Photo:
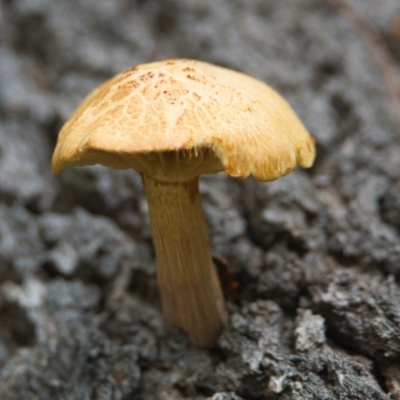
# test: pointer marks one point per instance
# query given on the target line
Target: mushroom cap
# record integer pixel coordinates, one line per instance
(189, 107)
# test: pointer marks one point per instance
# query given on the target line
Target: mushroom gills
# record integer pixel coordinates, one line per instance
(175, 166)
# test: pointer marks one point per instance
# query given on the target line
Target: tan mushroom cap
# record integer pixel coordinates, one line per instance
(232, 121)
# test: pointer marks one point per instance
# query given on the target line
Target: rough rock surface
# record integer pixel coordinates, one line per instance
(316, 254)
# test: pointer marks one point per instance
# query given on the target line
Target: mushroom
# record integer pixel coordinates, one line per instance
(172, 121)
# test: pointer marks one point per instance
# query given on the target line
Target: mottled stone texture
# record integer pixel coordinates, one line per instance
(316, 254)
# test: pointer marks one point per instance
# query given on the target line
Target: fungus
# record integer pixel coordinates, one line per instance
(172, 121)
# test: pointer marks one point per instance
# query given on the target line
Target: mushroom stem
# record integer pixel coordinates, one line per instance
(191, 294)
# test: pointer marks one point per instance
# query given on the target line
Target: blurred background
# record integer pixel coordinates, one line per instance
(312, 261)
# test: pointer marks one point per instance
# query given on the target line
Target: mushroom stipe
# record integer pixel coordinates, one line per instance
(172, 121)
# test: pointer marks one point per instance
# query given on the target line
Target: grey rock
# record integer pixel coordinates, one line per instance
(314, 256)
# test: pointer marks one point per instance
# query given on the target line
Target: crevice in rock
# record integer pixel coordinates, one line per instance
(343, 259)
(16, 329)
(143, 284)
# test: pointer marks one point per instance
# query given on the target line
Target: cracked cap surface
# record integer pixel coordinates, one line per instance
(189, 107)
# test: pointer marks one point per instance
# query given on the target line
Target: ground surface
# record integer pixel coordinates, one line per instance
(317, 253)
